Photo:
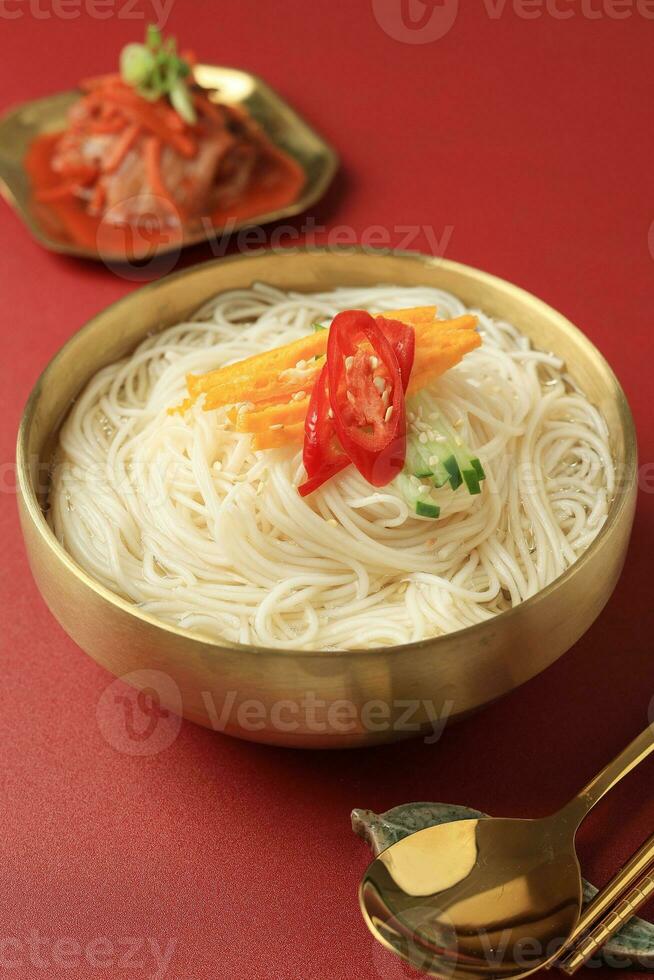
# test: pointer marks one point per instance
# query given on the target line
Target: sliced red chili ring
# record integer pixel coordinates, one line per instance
(322, 455)
(380, 457)
(369, 416)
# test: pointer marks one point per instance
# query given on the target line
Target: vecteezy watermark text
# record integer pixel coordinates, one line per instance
(140, 714)
(426, 21)
(494, 949)
(102, 953)
(155, 12)
(312, 715)
(151, 247)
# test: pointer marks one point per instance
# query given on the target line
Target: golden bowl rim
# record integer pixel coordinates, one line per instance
(619, 503)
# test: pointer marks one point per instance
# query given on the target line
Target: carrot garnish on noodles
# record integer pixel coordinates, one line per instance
(258, 377)
(444, 353)
(269, 392)
(278, 437)
(277, 374)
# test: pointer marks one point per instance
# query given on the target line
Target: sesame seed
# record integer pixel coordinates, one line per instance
(277, 425)
(260, 489)
(458, 442)
(299, 395)
(330, 413)
(403, 587)
(379, 384)
(433, 460)
(422, 437)
(351, 398)
(385, 396)
(349, 361)
(389, 414)
(332, 522)
(301, 365)
(373, 361)
(458, 423)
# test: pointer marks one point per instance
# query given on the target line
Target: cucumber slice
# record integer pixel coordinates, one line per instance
(434, 456)
(471, 481)
(452, 468)
(457, 460)
(417, 495)
(415, 461)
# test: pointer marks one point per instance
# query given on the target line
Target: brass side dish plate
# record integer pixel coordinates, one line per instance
(283, 126)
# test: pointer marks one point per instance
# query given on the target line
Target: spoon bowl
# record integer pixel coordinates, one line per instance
(487, 897)
(501, 900)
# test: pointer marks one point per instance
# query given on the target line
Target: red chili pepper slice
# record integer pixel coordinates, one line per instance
(362, 403)
(366, 393)
(322, 455)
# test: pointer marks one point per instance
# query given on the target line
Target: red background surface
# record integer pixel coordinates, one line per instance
(530, 139)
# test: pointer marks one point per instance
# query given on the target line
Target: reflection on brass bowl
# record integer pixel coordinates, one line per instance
(309, 698)
(280, 123)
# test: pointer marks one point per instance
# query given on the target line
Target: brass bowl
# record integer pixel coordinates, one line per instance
(315, 698)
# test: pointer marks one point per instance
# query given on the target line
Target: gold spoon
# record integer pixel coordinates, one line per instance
(487, 897)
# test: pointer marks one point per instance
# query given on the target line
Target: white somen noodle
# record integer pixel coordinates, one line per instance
(179, 515)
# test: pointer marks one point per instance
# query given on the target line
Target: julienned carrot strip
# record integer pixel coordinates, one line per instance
(276, 438)
(426, 330)
(271, 391)
(453, 347)
(121, 147)
(413, 315)
(285, 414)
(261, 365)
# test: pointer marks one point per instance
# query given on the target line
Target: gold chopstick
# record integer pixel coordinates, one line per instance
(607, 927)
(622, 887)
